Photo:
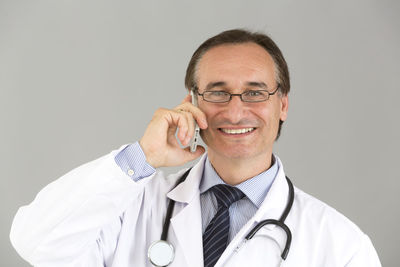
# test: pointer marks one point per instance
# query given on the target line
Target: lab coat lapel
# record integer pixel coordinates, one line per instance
(186, 221)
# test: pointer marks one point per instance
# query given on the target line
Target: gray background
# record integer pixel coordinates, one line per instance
(80, 78)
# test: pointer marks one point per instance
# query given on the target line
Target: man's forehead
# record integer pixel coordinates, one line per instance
(245, 60)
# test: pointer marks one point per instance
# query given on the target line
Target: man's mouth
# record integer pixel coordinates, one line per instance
(236, 131)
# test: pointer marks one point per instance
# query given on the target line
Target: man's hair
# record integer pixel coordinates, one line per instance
(240, 36)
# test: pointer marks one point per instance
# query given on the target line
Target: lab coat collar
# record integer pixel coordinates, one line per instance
(276, 200)
(271, 208)
(187, 194)
(188, 189)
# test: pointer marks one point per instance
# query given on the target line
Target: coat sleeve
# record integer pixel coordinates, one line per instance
(366, 256)
(65, 224)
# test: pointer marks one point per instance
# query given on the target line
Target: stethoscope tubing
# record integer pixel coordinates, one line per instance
(280, 222)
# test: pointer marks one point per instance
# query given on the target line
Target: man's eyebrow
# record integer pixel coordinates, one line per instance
(211, 85)
(214, 84)
(257, 84)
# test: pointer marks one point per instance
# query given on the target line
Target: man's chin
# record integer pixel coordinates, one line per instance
(233, 152)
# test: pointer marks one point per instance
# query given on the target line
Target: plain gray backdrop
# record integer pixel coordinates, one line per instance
(80, 78)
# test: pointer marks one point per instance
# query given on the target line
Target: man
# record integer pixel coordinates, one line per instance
(110, 211)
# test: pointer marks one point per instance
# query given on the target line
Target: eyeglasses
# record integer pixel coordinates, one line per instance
(251, 96)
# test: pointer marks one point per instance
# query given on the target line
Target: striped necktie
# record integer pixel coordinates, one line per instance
(215, 237)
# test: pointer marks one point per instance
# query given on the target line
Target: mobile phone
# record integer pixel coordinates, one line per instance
(195, 138)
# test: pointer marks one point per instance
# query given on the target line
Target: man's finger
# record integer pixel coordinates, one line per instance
(194, 155)
(198, 115)
(179, 119)
(190, 122)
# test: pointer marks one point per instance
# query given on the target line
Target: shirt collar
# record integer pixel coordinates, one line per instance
(255, 189)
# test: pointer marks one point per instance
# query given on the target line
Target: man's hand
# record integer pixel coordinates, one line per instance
(159, 143)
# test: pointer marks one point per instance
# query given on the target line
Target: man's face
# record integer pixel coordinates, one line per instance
(235, 69)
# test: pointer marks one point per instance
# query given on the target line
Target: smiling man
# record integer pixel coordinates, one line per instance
(240, 133)
(235, 207)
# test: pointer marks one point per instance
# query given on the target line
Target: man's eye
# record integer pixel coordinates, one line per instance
(217, 93)
(254, 93)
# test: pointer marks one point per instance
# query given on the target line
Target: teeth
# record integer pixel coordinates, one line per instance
(237, 131)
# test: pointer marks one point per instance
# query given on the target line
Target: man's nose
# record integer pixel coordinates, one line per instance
(235, 109)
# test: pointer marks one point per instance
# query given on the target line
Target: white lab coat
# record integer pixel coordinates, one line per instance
(96, 215)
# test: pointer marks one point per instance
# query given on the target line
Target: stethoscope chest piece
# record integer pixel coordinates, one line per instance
(161, 253)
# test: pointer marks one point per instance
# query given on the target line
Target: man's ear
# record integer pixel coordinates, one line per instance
(284, 102)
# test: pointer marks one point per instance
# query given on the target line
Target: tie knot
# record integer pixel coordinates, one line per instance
(226, 194)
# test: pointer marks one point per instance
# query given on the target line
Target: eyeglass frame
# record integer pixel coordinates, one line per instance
(196, 91)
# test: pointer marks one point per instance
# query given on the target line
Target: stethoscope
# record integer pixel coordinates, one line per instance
(161, 253)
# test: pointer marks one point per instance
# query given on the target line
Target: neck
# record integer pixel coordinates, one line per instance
(234, 171)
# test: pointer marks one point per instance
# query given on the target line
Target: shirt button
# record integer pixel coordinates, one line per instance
(131, 172)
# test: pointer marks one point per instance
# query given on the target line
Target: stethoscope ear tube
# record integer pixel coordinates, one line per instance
(280, 222)
(290, 201)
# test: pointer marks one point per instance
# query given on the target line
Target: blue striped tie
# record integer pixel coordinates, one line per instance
(215, 238)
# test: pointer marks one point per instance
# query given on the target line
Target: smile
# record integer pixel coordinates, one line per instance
(237, 131)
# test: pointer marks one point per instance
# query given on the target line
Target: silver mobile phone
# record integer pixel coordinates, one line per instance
(195, 139)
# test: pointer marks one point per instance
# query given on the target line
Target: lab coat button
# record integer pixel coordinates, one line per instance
(131, 172)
